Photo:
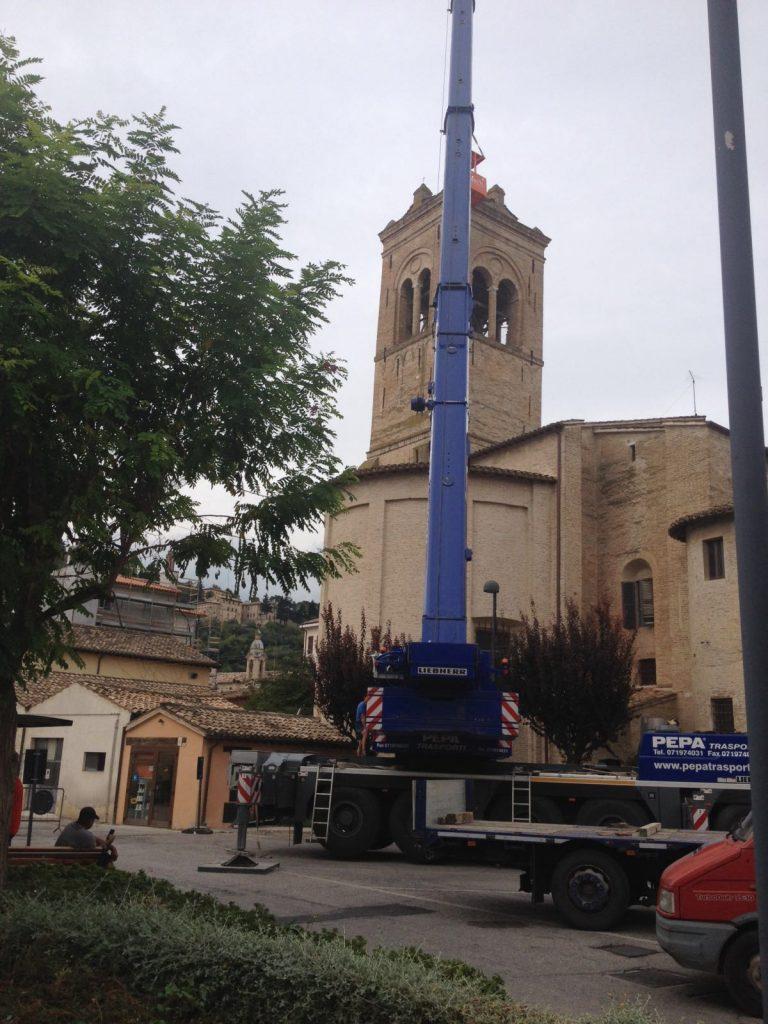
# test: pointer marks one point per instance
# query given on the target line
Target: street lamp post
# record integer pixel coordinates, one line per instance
(492, 588)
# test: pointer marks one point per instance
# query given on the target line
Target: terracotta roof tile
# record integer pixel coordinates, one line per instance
(679, 529)
(134, 695)
(258, 725)
(133, 643)
(394, 468)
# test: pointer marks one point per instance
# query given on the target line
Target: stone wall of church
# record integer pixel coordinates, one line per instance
(715, 635)
(644, 478)
(511, 529)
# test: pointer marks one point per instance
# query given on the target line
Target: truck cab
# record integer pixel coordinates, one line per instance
(706, 915)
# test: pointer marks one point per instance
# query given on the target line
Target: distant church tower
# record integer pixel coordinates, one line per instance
(507, 260)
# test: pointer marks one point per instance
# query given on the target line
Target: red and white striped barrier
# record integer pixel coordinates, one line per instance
(510, 718)
(700, 819)
(374, 713)
(246, 786)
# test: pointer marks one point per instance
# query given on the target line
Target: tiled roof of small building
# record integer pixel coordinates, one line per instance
(679, 529)
(133, 643)
(134, 695)
(257, 725)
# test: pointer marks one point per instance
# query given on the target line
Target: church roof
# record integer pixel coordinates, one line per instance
(679, 529)
(395, 468)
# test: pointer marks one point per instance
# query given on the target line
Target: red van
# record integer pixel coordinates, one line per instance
(706, 914)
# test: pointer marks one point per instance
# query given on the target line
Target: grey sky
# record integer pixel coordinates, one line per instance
(595, 117)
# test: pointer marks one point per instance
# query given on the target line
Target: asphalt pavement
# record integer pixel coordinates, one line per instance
(469, 911)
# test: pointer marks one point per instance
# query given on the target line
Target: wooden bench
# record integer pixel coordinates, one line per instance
(52, 855)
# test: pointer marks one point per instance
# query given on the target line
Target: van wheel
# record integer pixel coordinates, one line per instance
(741, 967)
(354, 824)
(590, 890)
(400, 818)
(612, 812)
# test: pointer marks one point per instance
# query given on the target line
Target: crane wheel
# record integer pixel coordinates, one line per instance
(590, 890)
(612, 812)
(355, 823)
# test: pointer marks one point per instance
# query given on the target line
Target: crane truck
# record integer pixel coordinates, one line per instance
(438, 731)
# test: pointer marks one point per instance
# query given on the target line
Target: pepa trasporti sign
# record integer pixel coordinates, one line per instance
(698, 757)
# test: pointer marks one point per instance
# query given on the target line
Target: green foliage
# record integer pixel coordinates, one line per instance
(283, 644)
(343, 669)
(574, 679)
(225, 965)
(292, 692)
(147, 344)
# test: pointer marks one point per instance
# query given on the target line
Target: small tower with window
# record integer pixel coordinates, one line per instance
(507, 325)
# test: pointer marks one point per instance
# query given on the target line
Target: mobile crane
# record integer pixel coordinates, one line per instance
(439, 696)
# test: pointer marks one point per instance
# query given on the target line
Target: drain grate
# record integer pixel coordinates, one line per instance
(648, 977)
(625, 949)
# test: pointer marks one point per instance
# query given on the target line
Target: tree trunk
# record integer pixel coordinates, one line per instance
(7, 747)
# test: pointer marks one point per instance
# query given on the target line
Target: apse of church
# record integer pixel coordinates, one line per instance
(507, 260)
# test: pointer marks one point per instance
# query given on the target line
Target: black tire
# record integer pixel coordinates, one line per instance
(728, 817)
(741, 968)
(612, 812)
(355, 823)
(544, 810)
(400, 824)
(590, 890)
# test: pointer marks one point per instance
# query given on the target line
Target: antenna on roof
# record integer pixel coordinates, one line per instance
(693, 385)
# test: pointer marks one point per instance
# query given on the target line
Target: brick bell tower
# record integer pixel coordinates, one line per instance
(507, 261)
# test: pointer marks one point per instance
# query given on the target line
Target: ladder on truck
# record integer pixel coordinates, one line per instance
(321, 805)
(522, 799)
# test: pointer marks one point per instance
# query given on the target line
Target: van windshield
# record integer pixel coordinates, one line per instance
(743, 830)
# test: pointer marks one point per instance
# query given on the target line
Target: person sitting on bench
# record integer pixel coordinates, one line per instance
(78, 835)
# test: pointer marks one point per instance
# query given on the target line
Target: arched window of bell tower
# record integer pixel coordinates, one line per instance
(405, 310)
(425, 285)
(506, 314)
(481, 281)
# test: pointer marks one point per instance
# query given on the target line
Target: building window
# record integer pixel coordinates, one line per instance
(637, 603)
(93, 761)
(425, 288)
(406, 309)
(646, 671)
(714, 560)
(722, 714)
(506, 310)
(480, 291)
(632, 451)
(310, 644)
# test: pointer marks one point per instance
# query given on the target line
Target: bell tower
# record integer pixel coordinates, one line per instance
(507, 260)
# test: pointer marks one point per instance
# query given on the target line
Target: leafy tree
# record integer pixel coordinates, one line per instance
(343, 667)
(574, 679)
(291, 691)
(147, 345)
(283, 643)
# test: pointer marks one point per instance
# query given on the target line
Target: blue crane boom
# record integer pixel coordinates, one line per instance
(438, 697)
(445, 588)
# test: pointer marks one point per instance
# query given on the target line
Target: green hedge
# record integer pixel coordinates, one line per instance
(199, 959)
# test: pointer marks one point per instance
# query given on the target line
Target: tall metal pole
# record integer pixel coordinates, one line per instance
(445, 589)
(750, 491)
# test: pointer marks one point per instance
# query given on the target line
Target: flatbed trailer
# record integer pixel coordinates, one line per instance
(359, 805)
(594, 874)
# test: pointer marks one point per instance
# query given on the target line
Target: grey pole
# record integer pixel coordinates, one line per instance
(492, 587)
(750, 493)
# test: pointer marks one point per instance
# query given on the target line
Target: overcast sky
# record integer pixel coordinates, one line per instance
(595, 117)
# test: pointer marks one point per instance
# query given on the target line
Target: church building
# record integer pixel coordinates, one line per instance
(637, 511)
